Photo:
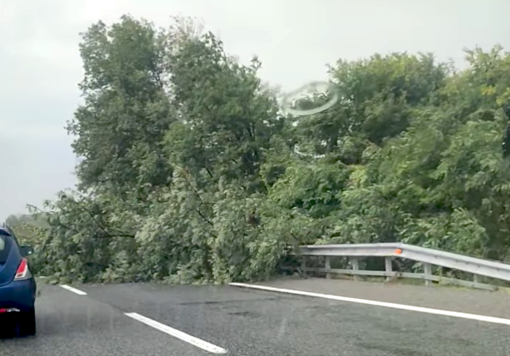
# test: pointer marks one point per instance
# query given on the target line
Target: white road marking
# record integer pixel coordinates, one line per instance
(74, 290)
(204, 345)
(488, 319)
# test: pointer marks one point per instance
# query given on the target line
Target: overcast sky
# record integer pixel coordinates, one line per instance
(40, 65)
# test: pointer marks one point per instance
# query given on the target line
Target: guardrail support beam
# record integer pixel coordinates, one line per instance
(355, 267)
(328, 267)
(388, 267)
(427, 269)
(428, 257)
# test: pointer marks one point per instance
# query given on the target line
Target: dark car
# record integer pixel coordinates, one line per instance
(17, 284)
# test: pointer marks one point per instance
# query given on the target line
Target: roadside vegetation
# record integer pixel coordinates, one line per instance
(192, 173)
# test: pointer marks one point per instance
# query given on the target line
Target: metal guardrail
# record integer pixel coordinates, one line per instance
(427, 256)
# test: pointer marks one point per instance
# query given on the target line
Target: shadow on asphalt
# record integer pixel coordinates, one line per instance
(8, 326)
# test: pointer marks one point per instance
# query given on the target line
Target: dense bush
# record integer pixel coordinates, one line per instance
(190, 175)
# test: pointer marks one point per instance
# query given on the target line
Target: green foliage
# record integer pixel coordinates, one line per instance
(190, 175)
(126, 113)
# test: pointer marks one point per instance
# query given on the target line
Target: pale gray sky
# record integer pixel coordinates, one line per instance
(40, 65)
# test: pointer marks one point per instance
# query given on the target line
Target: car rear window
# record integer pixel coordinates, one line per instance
(3, 250)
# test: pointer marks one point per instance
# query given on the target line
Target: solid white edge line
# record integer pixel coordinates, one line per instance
(204, 345)
(74, 290)
(488, 319)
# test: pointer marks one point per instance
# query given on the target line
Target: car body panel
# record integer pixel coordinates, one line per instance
(19, 294)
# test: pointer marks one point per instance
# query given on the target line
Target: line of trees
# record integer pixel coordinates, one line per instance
(189, 172)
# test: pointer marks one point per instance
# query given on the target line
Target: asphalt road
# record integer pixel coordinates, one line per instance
(244, 322)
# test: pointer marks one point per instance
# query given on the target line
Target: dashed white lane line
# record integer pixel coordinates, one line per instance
(204, 345)
(74, 290)
(488, 319)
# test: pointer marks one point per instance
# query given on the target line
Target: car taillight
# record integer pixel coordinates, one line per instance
(23, 272)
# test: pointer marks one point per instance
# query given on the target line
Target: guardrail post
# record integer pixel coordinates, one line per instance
(427, 268)
(388, 267)
(475, 278)
(355, 267)
(303, 264)
(328, 267)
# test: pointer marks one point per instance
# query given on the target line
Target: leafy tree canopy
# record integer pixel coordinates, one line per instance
(190, 172)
